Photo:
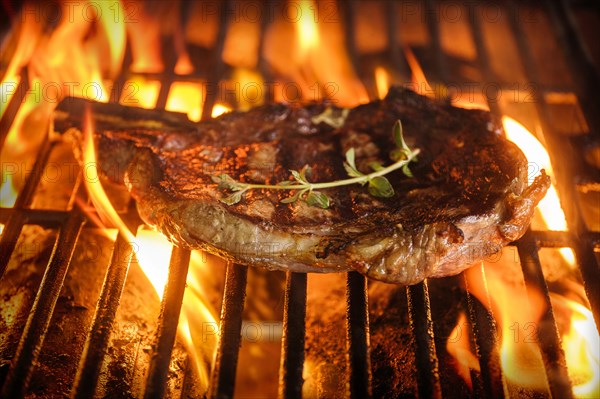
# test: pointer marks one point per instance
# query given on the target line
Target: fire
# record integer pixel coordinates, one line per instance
(308, 32)
(219, 109)
(581, 344)
(459, 348)
(382, 80)
(153, 254)
(186, 97)
(8, 194)
(140, 92)
(517, 313)
(418, 76)
(549, 207)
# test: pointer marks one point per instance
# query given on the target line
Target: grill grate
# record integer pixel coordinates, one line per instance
(583, 241)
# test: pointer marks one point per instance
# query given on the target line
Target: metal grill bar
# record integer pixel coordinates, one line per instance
(212, 81)
(15, 222)
(357, 336)
(579, 60)
(419, 311)
(486, 339)
(167, 323)
(292, 341)
(222, 380)
(33, 336)
(98, 337)
(547, 330)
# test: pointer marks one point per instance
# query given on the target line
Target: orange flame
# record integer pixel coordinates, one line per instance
(581, 344)
(308, 32)
(153, 257)
(517, 313)
(382, 81)
(186, 97)
(140, 92)
(219, 109)
(418, 76)
(459, 348)
(549, 207)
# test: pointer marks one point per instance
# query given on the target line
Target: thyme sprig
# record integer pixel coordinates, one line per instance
(378, 184)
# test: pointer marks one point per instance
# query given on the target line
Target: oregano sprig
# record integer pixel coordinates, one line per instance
(378, 184)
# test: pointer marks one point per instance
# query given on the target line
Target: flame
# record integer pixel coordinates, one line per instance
(517, 313)
(186, 97)
(581, 344)
(219, 109)
(307, 30)
(251, 90)
(8, 194)
(114, 28)
(459, 348)
(153, 254)
(382, 80)
(538, 158)
(418, 76)
(140, 92)
(144, 39)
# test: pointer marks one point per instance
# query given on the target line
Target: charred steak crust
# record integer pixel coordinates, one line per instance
(468, 197)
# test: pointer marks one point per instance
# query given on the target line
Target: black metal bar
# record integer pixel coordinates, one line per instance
(357, 336)
(222, 379)
(419, 311)
(583, 71)
(22, 365)
(292, 341)
(156, 383)
(562, 158)
(347, 9)
(486, 340)
(214, 75)
(482, 54)
(15, 222)
(98, 338)
(547, 330)
(263, 65)
(436, 44)
(394, 47)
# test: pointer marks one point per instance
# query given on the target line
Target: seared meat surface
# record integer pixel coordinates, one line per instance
(469, 194)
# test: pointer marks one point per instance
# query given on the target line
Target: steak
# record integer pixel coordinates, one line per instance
(468, 196)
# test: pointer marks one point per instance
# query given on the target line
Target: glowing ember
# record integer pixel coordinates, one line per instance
(251, 88)
(139, 92)
(538, 158)
(219, 109)
(581, 344)
(153, 255)
(186, 97)
(382, 80)
(8, 192)
(459, 348)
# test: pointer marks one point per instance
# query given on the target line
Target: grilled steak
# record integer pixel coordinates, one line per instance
(469, 194)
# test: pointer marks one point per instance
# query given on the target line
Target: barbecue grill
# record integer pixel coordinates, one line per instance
(566, 26)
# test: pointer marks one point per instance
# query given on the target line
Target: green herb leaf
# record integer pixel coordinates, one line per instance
(380, 187)
(399, 136)
(406, 171)
(233, 198)
(332, 117)
(226, 182)
(318, 199)
(350, 166)
(376, 166)
(294, 197)
(298, 177)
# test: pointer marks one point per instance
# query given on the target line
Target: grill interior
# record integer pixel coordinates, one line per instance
(552, 47)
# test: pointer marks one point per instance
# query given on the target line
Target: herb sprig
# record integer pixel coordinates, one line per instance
(378, 184)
